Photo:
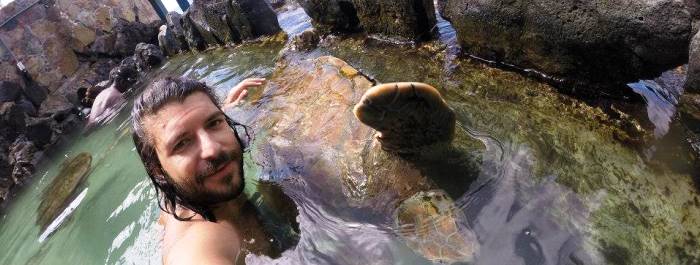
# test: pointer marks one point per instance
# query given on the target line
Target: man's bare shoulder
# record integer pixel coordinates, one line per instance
(201, 242)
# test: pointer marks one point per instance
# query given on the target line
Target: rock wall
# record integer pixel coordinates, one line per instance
(405, 19)
(64, 45)
(689, 105)
(597, 41)
(50, 36)
(217, 22)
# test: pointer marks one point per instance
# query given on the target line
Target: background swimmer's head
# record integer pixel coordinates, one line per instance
(190, 149)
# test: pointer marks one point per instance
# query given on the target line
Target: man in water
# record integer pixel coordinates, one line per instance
(194, 156)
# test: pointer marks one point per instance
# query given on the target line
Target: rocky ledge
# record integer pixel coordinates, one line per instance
(217, 22)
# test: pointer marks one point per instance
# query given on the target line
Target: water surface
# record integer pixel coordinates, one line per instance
(555, 184)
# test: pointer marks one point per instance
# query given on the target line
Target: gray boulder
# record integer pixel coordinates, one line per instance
(238, 22)
(209, 17)
(692, 83)
(124, 37)
(192, 36)
(147, 56)
(406, 19)
(174, 22)
(332, 16)
(263, 20)
(168, 42)
(596, 41)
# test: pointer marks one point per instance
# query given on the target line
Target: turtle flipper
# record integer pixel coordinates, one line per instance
(431, 225)
(407, 115)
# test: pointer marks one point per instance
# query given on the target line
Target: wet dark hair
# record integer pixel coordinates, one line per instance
(82, 97)
(124, 75)
(150, 101)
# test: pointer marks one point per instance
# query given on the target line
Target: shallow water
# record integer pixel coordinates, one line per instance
(555, 185)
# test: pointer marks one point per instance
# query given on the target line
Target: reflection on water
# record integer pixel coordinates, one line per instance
(553, 186)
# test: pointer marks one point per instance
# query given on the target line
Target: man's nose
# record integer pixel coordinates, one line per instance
(210, 147)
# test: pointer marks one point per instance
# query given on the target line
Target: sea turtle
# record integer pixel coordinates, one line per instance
(57, 194)
(313, 115)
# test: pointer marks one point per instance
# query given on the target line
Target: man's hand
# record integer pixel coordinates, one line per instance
(239, 91)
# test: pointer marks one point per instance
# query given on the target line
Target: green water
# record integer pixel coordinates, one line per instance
(561, 187)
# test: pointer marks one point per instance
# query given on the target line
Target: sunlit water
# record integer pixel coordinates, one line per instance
(554, 186)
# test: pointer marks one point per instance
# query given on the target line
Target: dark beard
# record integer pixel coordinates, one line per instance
(194, 193)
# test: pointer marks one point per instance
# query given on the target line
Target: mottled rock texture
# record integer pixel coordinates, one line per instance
(262, 18)
(692, 83)
(192, 36)
(597, 41)
(332, 16)
(63, 45)
(50, 37)
(405, 19)
(125, 36)
(168, 42)
(209, 17)
(218, 22)
(276, 3)
(148, 56)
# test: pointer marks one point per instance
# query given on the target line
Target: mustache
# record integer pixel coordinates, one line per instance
(212, 166)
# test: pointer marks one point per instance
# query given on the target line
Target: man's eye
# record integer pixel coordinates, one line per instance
(181, 144)
(215, 123)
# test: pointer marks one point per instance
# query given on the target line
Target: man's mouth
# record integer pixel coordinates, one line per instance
(222, 171)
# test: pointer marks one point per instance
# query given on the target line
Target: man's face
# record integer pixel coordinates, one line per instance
(197, 149)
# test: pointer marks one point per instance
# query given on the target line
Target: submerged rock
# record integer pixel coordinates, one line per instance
(604, 42)
(62, 187)
(408, 19)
